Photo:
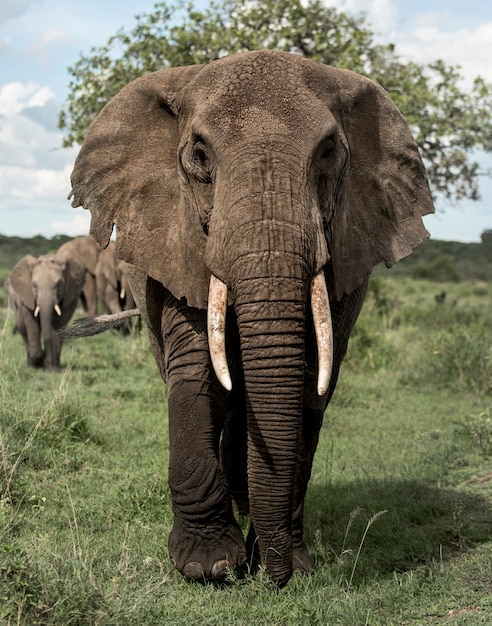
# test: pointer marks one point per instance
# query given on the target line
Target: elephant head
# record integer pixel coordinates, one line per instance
(259, 178)
(46, 290)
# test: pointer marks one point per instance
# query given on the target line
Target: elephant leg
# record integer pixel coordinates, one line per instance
(31, 334)
(205, 540)
(234, 458)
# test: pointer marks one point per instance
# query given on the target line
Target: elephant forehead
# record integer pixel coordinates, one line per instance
(47, 266)
(260, 93)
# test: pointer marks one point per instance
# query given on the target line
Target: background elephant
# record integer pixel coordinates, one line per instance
(113, 288)
(264, 178)
(43, 293)
(86, 251)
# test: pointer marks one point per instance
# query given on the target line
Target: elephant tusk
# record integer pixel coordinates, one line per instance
(58, 310)
(320, 305)
(216, 317)
(122, 293)
(36, 311)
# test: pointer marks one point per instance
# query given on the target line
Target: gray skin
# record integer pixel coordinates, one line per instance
(113, 287)
(43, 293)
(86, 251)
(261, 169)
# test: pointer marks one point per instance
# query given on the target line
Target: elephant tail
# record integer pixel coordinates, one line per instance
(88, 326)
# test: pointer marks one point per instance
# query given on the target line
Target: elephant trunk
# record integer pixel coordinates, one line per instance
(51, 351)
(268, 263)
(272, 331)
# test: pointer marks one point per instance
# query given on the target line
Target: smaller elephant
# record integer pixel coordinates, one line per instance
(113, 288)
(43, 293)
(86, 251)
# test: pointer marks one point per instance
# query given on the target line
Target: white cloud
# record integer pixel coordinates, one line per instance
(12, 97)
(78, 225)
(469, 48)
(381, 14)
(55, 38)
(428, 36)
(34, 170)
(14, 8)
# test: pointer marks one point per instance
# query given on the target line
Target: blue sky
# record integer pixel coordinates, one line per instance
(39, 39)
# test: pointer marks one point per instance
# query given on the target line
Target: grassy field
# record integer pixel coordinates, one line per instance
(399, 510)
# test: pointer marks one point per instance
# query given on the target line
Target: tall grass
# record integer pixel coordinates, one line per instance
(398, 510)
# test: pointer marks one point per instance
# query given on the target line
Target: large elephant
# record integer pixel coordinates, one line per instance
(113, 287)
(250, 187)
(86, 251)
(43, 293)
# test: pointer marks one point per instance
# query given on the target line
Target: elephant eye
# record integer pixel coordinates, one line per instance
(197, 160)
(201, 163)
(200, 155)
(327, 148)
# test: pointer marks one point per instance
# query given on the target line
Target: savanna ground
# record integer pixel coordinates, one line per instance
(399, 510)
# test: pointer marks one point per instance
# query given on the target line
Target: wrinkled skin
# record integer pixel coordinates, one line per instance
(113, 287)
(86, 251)
(261, 169)
(43, 293)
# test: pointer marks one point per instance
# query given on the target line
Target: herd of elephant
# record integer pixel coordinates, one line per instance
(44, 293)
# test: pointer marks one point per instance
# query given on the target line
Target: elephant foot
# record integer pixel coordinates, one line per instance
(207, 553)
(302, 562)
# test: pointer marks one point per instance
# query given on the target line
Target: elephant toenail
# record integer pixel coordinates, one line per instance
(220, 569)
(194, 570)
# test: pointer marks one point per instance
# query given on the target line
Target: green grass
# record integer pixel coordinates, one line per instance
(399, 509)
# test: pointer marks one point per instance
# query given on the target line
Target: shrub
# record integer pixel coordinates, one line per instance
(442, 269)
(460, 357)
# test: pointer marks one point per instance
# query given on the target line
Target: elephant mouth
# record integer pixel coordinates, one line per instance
(56, 308)
(320, 305)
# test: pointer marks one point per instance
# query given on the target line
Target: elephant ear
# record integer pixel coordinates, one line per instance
(20, 281)
(126, 174)
(385, 193)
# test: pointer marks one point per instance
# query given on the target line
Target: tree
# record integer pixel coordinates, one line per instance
(448, 122)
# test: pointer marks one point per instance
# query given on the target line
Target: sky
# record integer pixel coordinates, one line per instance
(40, 39)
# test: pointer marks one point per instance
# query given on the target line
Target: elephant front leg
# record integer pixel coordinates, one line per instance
(205, 540)
(31, 335)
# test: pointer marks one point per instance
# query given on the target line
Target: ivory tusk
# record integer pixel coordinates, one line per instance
(320, 305)
(122, 293)
(58, 310)
(36, 311)
(216, 316)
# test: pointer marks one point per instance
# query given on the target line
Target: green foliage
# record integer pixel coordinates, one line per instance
(441, 269)
(479, 426)
(14, 248)
(444, 261)
(449, 122)
(460, 357)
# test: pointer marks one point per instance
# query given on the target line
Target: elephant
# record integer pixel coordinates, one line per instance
(86, 251)
(252, 197)
(113, 288)
(43, 293)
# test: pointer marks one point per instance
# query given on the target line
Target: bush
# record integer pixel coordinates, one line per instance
(460, 357)
(442, 269)
(368, 346)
